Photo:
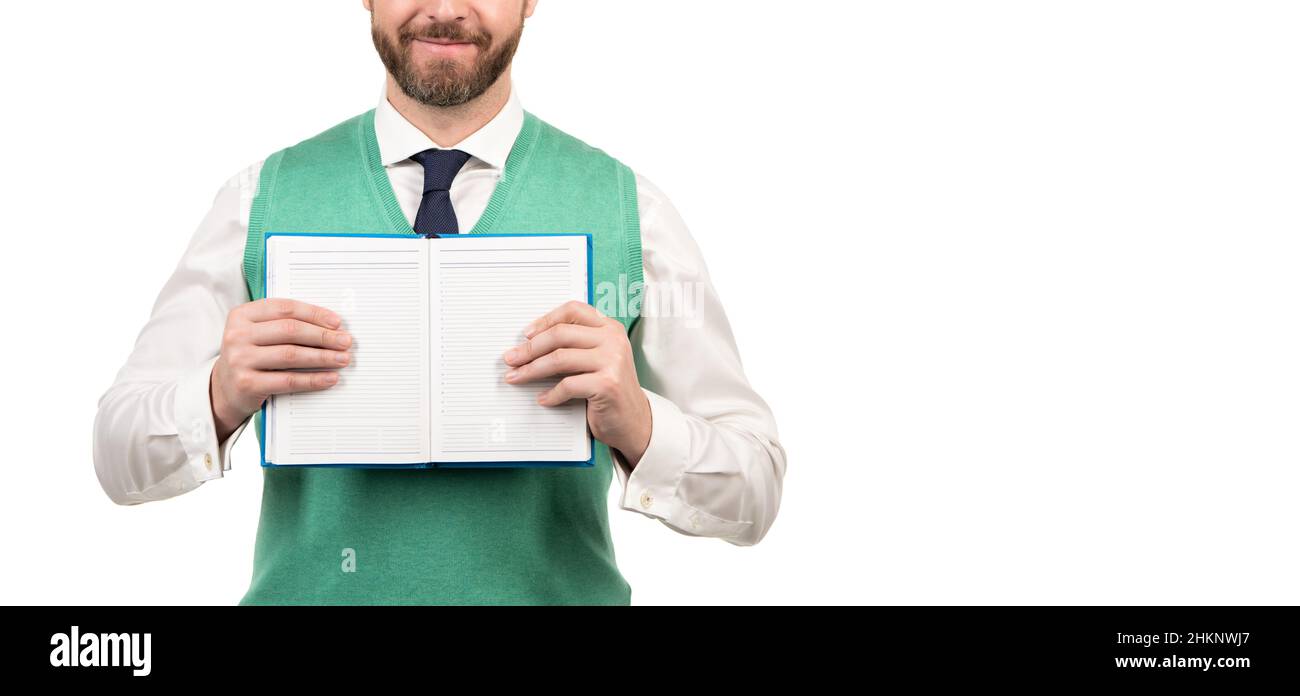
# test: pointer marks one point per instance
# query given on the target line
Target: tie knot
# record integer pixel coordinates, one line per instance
(440, 167)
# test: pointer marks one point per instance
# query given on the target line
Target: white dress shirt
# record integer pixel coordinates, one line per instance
(713, 466)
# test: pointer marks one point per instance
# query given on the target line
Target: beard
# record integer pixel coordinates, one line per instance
(444, 82)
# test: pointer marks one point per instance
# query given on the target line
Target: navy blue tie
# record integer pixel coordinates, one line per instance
(436, 215)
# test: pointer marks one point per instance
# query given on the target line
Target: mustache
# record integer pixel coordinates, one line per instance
(446, 31)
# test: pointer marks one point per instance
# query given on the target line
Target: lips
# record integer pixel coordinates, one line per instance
(444, 43)
(442, 48)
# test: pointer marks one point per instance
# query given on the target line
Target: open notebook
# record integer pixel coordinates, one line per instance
(430, 320)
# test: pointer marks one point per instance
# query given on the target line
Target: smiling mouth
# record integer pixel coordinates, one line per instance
(443, 43)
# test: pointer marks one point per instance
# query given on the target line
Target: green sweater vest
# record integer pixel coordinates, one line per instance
(442, 536)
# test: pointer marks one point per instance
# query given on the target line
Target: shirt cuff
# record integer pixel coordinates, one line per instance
(653, 487)
(205, 458)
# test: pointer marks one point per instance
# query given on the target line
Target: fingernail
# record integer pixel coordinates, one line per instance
(331, 378)
(344, 340)
(529, 331)
(333, 320)
(511, 375)
(511, 354)
(342, 358)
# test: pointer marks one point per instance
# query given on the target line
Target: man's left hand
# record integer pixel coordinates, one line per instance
(591, 354)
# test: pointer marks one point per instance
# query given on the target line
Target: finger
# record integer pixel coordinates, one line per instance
(288, 356)
(571, 312)
(296, 331)
(564, 361)
(574, 387)
(558, 336)
(288, 382)
(272, 308)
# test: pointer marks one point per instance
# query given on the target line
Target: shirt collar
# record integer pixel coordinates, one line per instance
(399, 139)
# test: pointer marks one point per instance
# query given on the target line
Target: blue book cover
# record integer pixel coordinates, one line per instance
(431, 318)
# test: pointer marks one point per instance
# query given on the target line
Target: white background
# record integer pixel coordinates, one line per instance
(1019, 279)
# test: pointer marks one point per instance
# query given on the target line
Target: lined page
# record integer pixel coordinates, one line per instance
(485, 291)
(378, 412)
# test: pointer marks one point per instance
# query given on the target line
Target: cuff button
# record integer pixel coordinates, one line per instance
(207, 461)
(646, 501)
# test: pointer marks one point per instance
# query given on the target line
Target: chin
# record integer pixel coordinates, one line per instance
(442, 68)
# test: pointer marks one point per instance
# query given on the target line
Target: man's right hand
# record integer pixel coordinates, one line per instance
(265, 339)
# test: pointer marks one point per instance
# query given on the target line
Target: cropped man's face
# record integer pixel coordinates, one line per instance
(447, 52)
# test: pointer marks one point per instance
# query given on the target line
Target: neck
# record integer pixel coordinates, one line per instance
(447, 126)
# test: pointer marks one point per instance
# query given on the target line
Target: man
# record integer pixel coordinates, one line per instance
(448, 150)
